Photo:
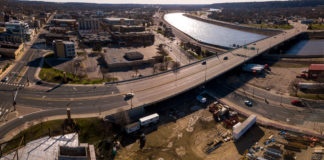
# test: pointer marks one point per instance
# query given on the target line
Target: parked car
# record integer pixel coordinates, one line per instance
(225, 58)
(201, 99)
(248, 103)
(302, 75)
(297, 103)
(6, 79)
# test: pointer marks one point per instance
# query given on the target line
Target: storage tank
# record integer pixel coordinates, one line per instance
(240, 128)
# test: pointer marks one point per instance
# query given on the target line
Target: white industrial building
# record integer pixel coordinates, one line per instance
(18, 28)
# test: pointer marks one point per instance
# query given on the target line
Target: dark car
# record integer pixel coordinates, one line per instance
(297, 103)
(248, 103)
(225, 58)
(128, 96)
(6, 79)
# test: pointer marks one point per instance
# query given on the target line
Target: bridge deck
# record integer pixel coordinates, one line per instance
(157, 88)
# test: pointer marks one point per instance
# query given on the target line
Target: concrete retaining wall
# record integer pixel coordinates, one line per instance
(268, 32)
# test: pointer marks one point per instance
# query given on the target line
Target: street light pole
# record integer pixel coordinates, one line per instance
(204, 63)
(131, 103)
(14, 99)
(205, 73)
(131, 100)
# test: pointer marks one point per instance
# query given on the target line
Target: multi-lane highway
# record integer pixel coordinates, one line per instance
(54, 98)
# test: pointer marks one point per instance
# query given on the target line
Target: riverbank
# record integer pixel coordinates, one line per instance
(267, 32)
(315, 34)
(187, 38)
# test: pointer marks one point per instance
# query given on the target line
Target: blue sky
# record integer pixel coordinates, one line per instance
(157, 1)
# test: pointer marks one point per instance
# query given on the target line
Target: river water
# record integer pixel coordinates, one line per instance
(307, 47)
(210, 33)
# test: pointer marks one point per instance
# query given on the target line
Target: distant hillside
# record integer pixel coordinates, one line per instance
(270, 4)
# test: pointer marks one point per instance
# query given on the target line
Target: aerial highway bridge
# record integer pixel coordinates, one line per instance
(100, 99)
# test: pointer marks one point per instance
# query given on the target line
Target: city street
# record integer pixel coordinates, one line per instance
(93, 99)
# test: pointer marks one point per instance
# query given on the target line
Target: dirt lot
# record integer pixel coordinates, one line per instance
(277, 80)
(187, 138)
(281, 77)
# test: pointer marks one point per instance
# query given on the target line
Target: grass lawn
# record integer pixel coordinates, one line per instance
(273, 26)
(35, 132)
(50, 74)
(310, 96)
(316, 27)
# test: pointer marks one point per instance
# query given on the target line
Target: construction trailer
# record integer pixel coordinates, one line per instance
(133, 127)
(153, 118)
(240, 128)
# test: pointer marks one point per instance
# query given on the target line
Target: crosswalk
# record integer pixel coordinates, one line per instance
(12, 84)
(6, 103)
(5, 109)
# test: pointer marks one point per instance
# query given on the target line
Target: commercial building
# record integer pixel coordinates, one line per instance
(50, 37)
(134, 38)
(62, 147)
(64, 49)
(125, 28)
(89, 24)
(316, 70)
(17, 31)
(119, 21)
(11, 50)
(129, 60)
(71, 24)
(90, 39)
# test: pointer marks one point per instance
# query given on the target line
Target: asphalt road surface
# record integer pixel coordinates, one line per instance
(54, 98)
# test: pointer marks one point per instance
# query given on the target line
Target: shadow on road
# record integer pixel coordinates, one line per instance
(55, 87)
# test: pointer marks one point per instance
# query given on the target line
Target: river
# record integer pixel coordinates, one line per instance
(307, 47)
(210, 33)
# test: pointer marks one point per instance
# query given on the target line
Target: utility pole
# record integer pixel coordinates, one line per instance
(131, 98)
(204, 63)
(27, 78)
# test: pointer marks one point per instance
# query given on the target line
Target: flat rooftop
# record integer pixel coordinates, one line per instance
(44, 148)
(118, 19)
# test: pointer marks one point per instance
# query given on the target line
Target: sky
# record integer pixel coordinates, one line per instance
(157, 1)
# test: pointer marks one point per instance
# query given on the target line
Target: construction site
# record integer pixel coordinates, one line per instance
(208, 130)
(218, 132)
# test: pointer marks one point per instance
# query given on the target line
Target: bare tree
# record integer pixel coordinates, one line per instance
(122, 117)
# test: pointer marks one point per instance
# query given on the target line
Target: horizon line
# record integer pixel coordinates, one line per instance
(222, 2)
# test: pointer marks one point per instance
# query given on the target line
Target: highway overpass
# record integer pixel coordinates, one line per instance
(147, 90)
(156, 88)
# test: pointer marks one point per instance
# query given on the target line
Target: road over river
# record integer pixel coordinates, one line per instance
(53, 99)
